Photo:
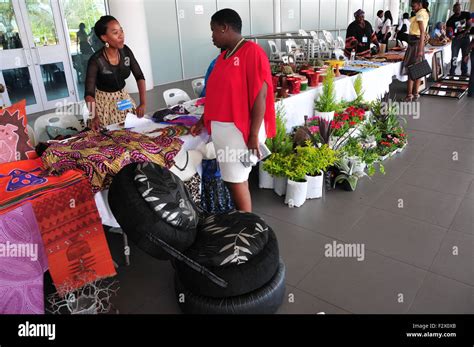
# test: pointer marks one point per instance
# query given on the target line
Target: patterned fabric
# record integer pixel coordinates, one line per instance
(215, 197)
(14, 141)
(102, 155)
(21, 277)
(73, 237)
(23, 180)
(194, 188)
(106, 106)
(172, 131)
(230, 238)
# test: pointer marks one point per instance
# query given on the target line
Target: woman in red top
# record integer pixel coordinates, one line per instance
(239, 100)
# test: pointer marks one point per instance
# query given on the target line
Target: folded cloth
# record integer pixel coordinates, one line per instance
(22, 263)
(159, 116)
(188, 121)
(22, 181)
(73, 237)
(102, 155)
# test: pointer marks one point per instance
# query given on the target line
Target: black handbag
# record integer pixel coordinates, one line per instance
(419, 70)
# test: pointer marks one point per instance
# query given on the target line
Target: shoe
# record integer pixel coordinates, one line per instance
(409, 98)
(416, 97)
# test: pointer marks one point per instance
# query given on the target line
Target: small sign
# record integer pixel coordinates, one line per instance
(291, 14)
(441, 93)
(444, 86)
(199, 9)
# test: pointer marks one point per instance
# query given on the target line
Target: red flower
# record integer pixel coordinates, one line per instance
(352, 123)
(345, 117)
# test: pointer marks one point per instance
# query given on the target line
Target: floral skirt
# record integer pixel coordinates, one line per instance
(106, 106)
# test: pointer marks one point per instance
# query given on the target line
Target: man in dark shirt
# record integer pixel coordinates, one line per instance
(459, 24)
(359, 36)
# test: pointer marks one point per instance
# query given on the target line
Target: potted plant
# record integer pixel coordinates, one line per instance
(326, 104)
(281, 144)
(297, 185)
(276, 165)
(317, 161)
(347, 177)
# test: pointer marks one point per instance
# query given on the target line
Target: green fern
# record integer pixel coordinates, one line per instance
(327, 100)
(282, 142)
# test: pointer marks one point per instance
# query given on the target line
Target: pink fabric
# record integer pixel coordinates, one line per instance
(21, 278)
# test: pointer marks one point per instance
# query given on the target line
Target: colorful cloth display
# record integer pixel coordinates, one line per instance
(22, 263)
(73, 237)
(22, 181)
(102, 155)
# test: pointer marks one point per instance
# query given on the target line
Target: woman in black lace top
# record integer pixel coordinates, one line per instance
(107, 71)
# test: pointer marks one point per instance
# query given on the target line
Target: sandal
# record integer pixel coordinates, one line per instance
(409, 98)
(416, 97)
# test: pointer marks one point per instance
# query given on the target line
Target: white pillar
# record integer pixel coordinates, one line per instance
(131, 15)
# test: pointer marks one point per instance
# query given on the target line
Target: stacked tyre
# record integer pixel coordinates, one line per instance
(242, 250)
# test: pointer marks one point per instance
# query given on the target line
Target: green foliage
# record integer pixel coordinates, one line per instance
(282, 142)
(327, 100)
(276, 165)
(358, 87)
(347, 173)
(316, 159)
(297, 168)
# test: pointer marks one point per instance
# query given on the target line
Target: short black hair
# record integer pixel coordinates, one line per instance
(379, 12)
(457, 4)
(228, 17)
(406, 15)
(100, 28)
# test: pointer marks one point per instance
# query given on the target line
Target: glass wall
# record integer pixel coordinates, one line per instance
(81, 15)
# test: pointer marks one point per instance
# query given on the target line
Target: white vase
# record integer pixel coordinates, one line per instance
(328, 116)
(279, 185)
(296, 193)
(315, 186)
(265, 180)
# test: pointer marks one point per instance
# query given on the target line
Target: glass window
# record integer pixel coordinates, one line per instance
(9, 35)
(54, 81)
(18, 84)
(81, 16)
(42, 24)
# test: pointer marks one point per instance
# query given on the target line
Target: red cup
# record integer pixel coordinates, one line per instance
(275, 80)
(294, 85)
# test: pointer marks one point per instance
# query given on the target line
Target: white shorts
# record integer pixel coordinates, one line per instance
(230, 144)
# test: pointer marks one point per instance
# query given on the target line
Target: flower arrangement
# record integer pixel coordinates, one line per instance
(349, 118)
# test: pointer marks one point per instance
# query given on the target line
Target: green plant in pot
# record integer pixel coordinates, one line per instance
(326, 103)
(348, 177)
(317, 161)
(277, 166)
(297, 185)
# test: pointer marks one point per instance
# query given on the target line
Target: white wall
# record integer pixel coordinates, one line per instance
(181, 48)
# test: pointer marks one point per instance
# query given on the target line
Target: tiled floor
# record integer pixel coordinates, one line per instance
(418, 259)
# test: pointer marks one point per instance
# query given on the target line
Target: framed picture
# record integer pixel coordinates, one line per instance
(438, 66)
(423, 85)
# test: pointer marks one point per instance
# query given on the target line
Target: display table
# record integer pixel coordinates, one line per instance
(189, 142)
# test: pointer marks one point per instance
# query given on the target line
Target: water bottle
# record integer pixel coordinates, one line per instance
(353, 54)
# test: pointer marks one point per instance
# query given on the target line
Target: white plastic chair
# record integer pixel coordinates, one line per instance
(59, 119)
(275, 53)
(341, 44)
(329, 39)
(314, 34)
(198, 86)
(31, 135)
(175, 97)
(303, 33)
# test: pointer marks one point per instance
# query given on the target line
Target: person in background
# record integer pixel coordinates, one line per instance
(240, 108)
(387, 27)
(106, 74)
(470, 92)
(82, 41)
(416, 45)
(359, 36)
(459, 24)
(379, 24)
(402, 32)
(439, 31)
(208, 73)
